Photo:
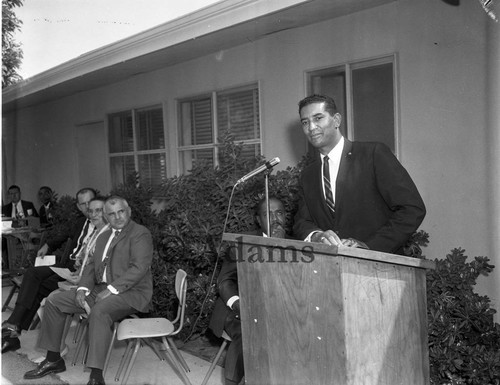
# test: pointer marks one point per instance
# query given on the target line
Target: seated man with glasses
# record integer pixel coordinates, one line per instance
(40, 281)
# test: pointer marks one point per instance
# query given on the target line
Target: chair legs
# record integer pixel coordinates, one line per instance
(9, 298)
(130, 356)
(214, 362)
(178, 354)
(82, 340)
(16, 284)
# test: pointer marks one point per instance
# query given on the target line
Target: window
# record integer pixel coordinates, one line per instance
(203, 118)
(365, 96)
(137, 143)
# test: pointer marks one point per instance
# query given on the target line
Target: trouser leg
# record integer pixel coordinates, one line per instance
(57, 307)
(233, 366)
(101, 319)
(38, 282)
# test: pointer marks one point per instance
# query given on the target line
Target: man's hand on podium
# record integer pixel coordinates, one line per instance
(236, 309)
(351, 242)
(329, 237)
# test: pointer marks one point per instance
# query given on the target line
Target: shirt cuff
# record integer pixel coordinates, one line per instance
(232, 300)
(112, 289)
(308, 238)
(87, 291)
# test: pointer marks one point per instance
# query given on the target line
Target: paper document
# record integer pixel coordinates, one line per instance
(48, 260)
(64, 273)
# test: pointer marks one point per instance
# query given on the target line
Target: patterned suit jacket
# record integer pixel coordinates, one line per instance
(129, 266)
(376, 200)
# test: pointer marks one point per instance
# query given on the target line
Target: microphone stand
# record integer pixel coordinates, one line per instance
(268, 218)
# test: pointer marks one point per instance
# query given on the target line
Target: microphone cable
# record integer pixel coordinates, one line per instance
(209, 290)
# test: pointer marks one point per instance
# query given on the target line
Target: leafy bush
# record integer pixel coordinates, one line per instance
(464, 341)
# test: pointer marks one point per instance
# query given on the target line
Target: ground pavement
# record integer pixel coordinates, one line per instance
(148, 369)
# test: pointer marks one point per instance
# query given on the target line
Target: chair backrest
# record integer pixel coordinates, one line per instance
(180, 291)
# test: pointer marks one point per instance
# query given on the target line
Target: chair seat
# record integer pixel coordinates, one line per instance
(144, 328)
(18, 280)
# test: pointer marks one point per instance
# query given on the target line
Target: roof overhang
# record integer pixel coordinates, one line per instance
(220, 26)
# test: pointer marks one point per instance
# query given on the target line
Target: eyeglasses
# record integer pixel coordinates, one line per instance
(94, 211)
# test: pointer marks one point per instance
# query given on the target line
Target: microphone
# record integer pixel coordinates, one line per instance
(266, 166)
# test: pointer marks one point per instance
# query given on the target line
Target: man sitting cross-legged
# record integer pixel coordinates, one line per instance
(117, 282)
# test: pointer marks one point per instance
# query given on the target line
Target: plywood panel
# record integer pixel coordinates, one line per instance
(295, 333)
(386, 333)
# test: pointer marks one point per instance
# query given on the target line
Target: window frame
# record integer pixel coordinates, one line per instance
(347, 68)
(215, 145)
(135, 152)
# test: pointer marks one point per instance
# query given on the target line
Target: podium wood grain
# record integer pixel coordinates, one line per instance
(348, 317)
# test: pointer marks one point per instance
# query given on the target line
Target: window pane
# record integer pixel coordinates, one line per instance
(150, 129)
(120, 133)
(121, 168)
(196, 122)
(250, 151)
(152, 169)
(238, 112)
(190, 158)
(332, 83)
(373, 104)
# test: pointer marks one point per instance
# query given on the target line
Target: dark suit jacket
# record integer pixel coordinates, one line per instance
(376, 200)
(44, 221)
(56, 241)
(129, 266)
(7, 209)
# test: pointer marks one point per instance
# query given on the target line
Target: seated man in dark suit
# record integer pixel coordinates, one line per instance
(117, 282)
(18, 208)
(40, 281)
(226, 314)
(46, 198)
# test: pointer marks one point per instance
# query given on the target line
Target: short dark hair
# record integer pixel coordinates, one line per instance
(86, 190)
(330, 105)
(262, 202)
(14, 186)
(45, 188)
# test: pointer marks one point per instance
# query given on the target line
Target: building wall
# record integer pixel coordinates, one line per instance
(441, 64)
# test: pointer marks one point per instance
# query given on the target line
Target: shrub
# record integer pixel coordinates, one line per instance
(464, 341)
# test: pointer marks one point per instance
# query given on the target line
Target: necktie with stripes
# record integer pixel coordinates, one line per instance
(328, 186)
(102, 267)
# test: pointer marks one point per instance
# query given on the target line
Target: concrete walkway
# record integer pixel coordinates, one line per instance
(148, 369)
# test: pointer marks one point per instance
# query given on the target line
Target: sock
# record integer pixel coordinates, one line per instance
(53, 356)
(96, 373)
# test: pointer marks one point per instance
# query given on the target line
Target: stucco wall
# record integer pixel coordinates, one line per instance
(442, 61)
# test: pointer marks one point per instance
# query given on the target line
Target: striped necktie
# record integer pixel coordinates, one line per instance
(102, 267)
(328, 186)
(79, 242)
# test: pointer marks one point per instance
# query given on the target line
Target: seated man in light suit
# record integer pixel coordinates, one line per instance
(226, 314)
(117, 282)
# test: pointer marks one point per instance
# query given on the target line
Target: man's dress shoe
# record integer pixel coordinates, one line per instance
(45, 367)
(8, 330)
(10, 343)
(95, 381)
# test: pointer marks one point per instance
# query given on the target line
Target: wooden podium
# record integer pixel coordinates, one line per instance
(316, 314)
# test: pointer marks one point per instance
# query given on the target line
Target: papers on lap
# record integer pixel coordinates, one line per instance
(47, 260)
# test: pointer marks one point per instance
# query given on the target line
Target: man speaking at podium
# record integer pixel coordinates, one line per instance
(226, 314)
(355, 194)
